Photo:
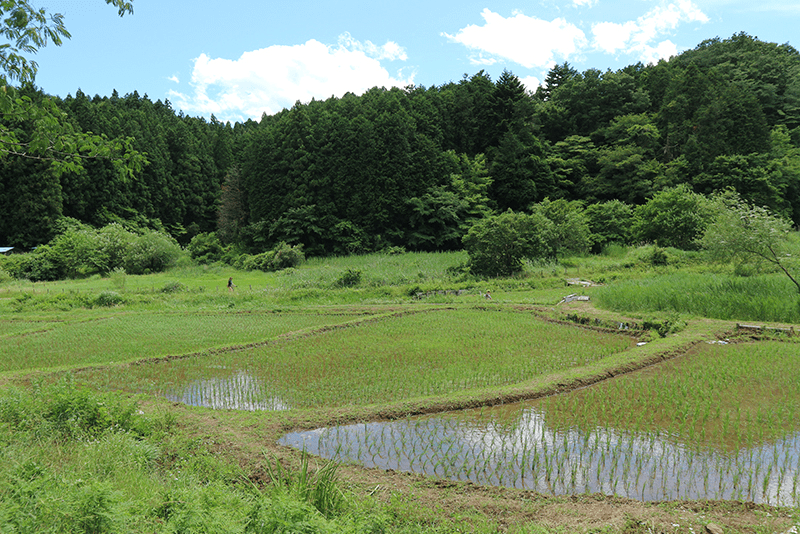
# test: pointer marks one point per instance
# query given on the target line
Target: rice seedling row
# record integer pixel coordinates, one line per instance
(125, 337)
(387, 360)
(650, 435)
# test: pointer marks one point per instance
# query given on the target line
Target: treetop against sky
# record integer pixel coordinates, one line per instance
(240, 59)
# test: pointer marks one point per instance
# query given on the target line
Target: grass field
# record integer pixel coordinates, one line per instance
(192, 386)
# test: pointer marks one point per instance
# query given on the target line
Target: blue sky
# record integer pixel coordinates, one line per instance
(241, 58)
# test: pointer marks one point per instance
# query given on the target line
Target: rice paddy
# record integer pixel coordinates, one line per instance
(718, 423)
(394, 358)
(124, 337)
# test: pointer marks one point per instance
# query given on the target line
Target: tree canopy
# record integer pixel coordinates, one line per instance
(416, 167)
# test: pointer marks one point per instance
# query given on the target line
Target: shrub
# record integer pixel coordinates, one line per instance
(349, 278)
(498, 245)
(570, 230)
(283, 256)
(118, 277)
(205, 248)
(151, 252)
(675, 217)
(173, 287)
(37, 266)
(109, 298)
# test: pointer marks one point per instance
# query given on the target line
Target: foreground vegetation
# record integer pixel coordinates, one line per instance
(88, 447)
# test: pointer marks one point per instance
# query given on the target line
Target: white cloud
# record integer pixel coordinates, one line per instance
(637, 37)
(529, 41)
(174, 78)
(273, 78)
(587, 3)
(531, 83)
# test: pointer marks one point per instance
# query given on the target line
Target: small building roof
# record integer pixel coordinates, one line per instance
(3, 250)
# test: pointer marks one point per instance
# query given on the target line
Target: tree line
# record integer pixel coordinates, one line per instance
(418, 167)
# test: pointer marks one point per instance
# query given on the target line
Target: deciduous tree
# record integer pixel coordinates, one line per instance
(750, 234)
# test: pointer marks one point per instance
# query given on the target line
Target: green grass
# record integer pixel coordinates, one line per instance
(726, 396)
(770, 297)
(120, 337)
(163, 477)
(414, 355)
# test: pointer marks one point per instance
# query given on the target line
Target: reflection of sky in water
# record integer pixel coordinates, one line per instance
(238, 391)
(528, 454)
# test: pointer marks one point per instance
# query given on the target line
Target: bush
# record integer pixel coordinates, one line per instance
(173, 287)
(498, 245)
(349, 278)
(675, 217)
(283, 256)
(109, 298)
(570, 230)
(151, 252)
(36, 266)
(205, 248)
(118, 277)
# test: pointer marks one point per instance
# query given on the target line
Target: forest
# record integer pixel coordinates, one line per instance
(416, 168)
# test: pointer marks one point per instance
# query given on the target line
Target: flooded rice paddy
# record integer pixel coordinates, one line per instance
(529, 454)
(238, 389)
(734, 434)
(390, 359)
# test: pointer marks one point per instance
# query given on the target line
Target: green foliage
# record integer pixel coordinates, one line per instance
(109, 298)
(151, 252)
(412, 168)
(674, 217)
(35, 266)
(174, 287)
(66, 411)
(441, 217)
(320, 489)
(498, 245)
(349, 278)
(205, 248)
(82, 251)
(285, 514)
(727, 297)
(750, 234)
(657, 257)
(283, 256)
(570, 233)
(609, 223)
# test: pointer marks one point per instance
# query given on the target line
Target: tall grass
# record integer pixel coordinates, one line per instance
(758, 298)
(123, 475)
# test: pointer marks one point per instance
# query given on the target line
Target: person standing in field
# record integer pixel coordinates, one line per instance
(230, 284)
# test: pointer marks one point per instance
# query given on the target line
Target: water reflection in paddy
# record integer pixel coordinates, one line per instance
(490, 447)
(234, 390)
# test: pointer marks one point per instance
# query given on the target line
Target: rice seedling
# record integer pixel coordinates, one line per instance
(597, 439)
(134, 336)
(414, 355)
